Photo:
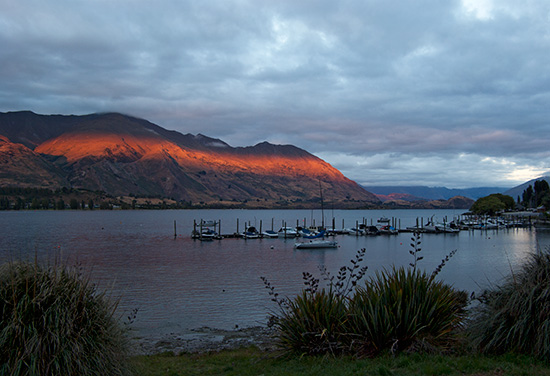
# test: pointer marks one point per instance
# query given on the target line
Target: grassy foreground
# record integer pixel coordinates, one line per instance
(252, 361)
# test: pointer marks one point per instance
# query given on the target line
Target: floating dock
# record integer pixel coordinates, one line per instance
(212, 229)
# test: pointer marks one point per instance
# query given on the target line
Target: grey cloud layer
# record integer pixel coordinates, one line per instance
(356, 81)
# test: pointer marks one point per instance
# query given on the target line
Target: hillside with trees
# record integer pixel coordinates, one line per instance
(536, 195)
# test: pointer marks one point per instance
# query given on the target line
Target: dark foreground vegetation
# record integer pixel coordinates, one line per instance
(54, 322)
(399, 321)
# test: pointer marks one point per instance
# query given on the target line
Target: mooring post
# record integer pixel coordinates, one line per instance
(175, 233)
(237, 226)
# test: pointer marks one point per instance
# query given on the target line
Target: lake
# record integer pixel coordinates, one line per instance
(178, 283)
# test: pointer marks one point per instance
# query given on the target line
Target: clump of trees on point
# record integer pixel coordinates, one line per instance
(492, 204)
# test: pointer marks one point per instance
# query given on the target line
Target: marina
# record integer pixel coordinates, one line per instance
(212, 229)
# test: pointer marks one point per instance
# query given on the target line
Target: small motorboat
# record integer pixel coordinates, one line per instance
(388, 230)
(287, 232)
(316, 243)
(251, 233)
(270, 234)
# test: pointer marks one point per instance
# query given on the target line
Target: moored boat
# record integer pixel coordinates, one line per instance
(270, 234)
(316, 243)
(251, 233)
(388, 230)
(287, 232)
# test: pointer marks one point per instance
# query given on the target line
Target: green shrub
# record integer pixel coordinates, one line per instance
(403, 308)
(312, 323)
(397, 309)
(54, 322)
(515, 316)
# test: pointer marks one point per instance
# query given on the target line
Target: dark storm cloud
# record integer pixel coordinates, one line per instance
(430, 92)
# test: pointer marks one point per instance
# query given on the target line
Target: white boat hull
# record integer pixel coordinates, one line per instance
(316, 244)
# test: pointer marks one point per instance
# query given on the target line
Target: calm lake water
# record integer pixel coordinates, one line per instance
(179, 284)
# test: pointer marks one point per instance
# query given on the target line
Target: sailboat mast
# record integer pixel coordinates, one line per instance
(322, 207)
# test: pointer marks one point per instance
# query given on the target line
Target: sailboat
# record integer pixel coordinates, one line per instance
(319, 240)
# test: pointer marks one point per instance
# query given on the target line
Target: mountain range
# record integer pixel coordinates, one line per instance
(123, 155)
(422, 193)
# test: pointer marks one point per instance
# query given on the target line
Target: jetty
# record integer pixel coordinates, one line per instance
(207, 230)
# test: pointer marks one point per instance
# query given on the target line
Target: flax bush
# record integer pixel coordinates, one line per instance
(400, 309)
(515, 316)
(405, 309)
(54, 322)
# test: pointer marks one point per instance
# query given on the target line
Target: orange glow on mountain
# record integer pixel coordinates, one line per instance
(131, 148)
(75, 146)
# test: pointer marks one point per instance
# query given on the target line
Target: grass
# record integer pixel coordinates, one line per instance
(252, 361)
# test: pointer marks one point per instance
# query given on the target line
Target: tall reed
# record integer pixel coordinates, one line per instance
(515, 316)
(53, 321)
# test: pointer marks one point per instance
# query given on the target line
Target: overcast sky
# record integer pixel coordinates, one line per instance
(425, 92)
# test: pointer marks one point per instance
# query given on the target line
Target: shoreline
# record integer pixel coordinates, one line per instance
(204, 340)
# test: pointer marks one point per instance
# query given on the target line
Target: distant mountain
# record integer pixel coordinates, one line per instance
(415, 193)
(456, 202)
(518, 190)
(123, 155)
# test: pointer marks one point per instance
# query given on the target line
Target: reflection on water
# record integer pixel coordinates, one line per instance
(178, 283)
